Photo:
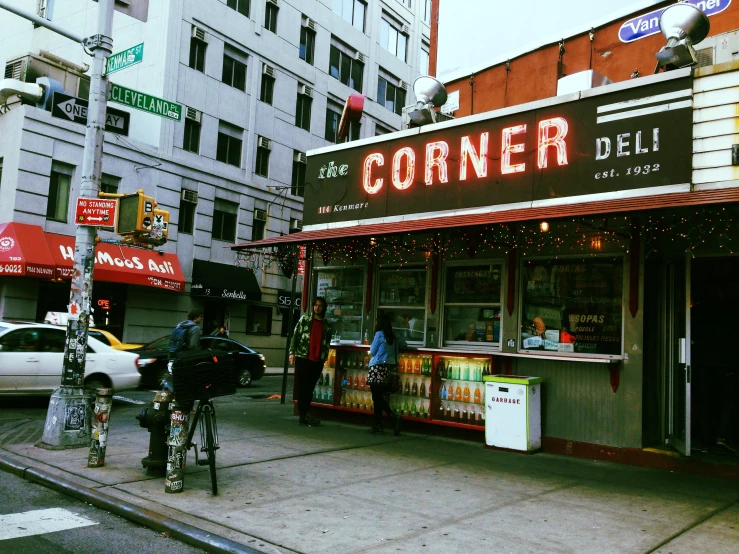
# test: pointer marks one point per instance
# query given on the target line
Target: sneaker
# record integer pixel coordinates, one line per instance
(396, 425)
(309, 421)
(375, 429)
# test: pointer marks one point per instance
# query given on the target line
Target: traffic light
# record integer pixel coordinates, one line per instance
(139, 218)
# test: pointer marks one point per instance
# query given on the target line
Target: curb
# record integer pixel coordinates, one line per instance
(176, 529)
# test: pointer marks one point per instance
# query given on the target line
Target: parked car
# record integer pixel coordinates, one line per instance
(249, 364)
(31, 360)
(106, 337)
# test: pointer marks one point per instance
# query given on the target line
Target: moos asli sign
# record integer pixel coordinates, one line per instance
(648, 24)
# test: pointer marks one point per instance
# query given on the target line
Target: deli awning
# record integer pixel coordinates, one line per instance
(216, 280)
(121, 264)
(24, 251)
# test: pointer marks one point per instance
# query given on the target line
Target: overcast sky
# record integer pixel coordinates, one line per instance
(471, 32)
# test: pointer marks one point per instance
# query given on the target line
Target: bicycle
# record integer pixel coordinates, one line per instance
(208, 437)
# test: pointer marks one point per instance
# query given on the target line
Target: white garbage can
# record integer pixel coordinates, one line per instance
(513, 412)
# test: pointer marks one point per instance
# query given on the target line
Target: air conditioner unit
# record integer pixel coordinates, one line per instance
(359, 57)
(718, 49)
(190, 196)
(296, 224)
(30, 67)
(311, 24)
(300, 157)
(305, 90)
(199, 33)
(403, 85)
(268, 70)
(264, 143)
(192, 113)
(260, 215)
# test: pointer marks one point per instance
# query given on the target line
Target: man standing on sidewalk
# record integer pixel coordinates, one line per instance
(308, 350)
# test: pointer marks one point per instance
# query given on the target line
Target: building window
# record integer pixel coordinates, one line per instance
(307, 44)
(46, 9)
(390, 95)
(380, 130)
(344, 67)
(259, 320)
(234, 72)
(393, 39)
(427, 11)
(187, 216)
(229, 144)
(424, 61)
(472, 294)
(263, 151)
(109, 183)
(406, 3)
(191, 139)
(270, 17)
(259, 225)
(225, 214)
(197, 54)
(268, 86)
(332, 127)
(402, 299)
(59, 188)
(241, 6)
(302, 111)
(352, 11)
(297, 185)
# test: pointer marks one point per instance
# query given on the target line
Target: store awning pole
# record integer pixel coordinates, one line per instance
(290, 326)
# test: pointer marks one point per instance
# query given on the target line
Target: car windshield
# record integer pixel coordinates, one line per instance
(160, 343)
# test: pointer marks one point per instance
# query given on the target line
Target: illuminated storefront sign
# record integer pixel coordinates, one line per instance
(648, 24)
(635, 138)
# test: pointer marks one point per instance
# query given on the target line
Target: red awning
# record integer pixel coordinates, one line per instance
(629, 204)
(24, 252)
(121, 264)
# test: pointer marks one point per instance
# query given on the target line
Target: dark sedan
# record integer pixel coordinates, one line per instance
(152, 362)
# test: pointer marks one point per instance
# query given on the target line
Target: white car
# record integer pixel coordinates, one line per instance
(31, 360)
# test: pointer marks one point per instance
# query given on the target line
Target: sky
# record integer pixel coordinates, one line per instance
(471, 32)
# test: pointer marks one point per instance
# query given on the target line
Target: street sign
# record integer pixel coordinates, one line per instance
(138, 9)
(71, 108)
(95, 212)
(145, 102)
(124, 59)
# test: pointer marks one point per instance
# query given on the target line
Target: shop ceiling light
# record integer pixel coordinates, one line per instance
(544, 227)
(682, 25)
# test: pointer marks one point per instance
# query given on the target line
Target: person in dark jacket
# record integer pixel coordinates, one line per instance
(384, 361)
(191, 324)
(308, 351)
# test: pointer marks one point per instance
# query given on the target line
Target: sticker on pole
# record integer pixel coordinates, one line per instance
(74, 311)
(96, 212)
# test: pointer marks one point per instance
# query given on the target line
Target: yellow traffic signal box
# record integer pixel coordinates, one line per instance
(139, 217)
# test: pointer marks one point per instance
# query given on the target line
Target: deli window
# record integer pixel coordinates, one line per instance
(343, 289)
(573, 306)
(472, 300)
(402, 297)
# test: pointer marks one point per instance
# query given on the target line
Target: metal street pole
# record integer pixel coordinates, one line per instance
(41, 21)
(290, 325)
(68, 421)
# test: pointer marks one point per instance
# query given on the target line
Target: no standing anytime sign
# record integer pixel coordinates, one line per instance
(97, 212)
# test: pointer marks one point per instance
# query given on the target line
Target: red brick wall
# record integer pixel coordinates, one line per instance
(534, 75)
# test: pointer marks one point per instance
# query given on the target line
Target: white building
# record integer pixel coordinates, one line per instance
(261, 81)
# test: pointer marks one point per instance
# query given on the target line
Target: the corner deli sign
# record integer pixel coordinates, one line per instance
(629, 139)
(648, 24)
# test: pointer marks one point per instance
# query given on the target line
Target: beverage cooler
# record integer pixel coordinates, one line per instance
(435, 387)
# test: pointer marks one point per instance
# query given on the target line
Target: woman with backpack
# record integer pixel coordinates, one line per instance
(381, 374)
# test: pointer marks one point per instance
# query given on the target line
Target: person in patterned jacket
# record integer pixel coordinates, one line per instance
(308, 351)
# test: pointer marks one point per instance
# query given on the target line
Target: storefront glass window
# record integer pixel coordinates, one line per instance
(572, 305)
(472, 304)
(402, 296)
(343, 289)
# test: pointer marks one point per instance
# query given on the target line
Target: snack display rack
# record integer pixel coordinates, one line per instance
(436, 387)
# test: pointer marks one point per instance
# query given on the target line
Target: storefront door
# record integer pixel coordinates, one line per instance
(676, 281)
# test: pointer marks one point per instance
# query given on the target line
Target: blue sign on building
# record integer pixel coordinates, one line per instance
(648, 24)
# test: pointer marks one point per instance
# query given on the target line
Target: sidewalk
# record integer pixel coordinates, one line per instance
(336, 488)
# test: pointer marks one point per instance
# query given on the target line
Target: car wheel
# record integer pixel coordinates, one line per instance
(93, 384)
(245, 378)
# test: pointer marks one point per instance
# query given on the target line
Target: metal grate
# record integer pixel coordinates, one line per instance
(13, 70)
(705, 56)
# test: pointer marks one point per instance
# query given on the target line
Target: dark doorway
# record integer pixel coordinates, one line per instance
(214, 315)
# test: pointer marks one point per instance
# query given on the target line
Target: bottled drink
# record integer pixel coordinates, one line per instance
(414, 388)
(458, 393)
(405, 408)
(422, 389)
(477, 398)
(401, 364)
(428, 389)
(448, 412)
(366, 337)
(443, 392)
(366, 361)
(466, 371)
(363, 382)
(422, 410)
(455, 413)
(327, 379)
(463, 415)
(320, 380)
(417, 367)
(407, 387)
(330, 396)
(466, 393)
(450, 391)
(442, 369)
(456, 373)
(356, 381)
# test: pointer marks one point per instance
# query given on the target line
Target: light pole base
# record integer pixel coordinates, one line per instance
(68, 421)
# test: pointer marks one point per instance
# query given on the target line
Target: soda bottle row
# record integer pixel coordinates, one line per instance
(323, 395)
(355, 380)
(463, 369)
(461, 392)
(326, 379)
(357, 400)
(411, 408)
(461, 413)
(354, 360)
(418, 364)
(411, 386)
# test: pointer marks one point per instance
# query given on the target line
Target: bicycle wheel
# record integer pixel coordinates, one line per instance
(210, 446)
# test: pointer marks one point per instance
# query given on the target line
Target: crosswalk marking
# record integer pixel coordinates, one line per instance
(38, 522)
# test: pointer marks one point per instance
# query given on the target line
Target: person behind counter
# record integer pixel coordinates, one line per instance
(469, 335)
(309, 348)
(382, 365)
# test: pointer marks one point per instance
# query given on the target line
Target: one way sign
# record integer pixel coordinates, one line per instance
(74, 109)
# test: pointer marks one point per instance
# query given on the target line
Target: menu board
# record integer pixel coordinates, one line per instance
(573, 305)
(473, 284)
(402, 287)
